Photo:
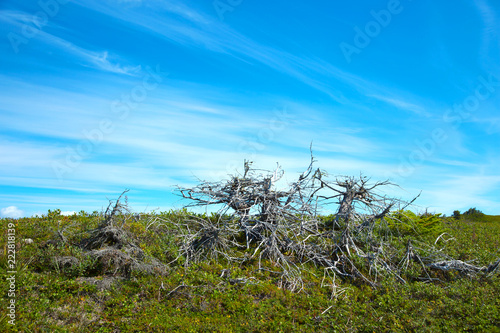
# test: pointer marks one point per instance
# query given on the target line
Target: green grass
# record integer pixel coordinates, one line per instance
(53, 299)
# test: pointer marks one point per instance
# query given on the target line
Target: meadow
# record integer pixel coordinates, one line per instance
(217, 295)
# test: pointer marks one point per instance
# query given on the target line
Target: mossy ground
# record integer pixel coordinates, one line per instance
(198, 299)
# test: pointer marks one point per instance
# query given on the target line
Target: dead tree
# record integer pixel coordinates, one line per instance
(243, 194)
(273, 221)
(111, 247)
(282, 225)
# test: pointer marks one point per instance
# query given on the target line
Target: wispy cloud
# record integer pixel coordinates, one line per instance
(14, 17)
(101, 60)
(207, 33)
(490, 30)
(402, 104)
(460, 192)
(97, 59)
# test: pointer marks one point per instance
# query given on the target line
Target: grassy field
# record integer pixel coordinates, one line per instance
(219, 296)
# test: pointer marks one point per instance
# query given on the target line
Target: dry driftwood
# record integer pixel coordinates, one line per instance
(112, 248)
(283, 226)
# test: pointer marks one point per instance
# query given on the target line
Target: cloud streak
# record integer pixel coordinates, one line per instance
(204, 32)
(100, 60)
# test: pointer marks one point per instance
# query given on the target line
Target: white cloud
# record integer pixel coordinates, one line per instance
(68, 213)
(11, 211)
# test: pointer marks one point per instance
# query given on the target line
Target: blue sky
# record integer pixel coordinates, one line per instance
(105, 95)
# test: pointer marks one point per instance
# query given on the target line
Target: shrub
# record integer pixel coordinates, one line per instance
(473, 212)
(409, 223)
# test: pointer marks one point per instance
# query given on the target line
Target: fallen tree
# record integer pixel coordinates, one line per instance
(284, 228)
(112, 250)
